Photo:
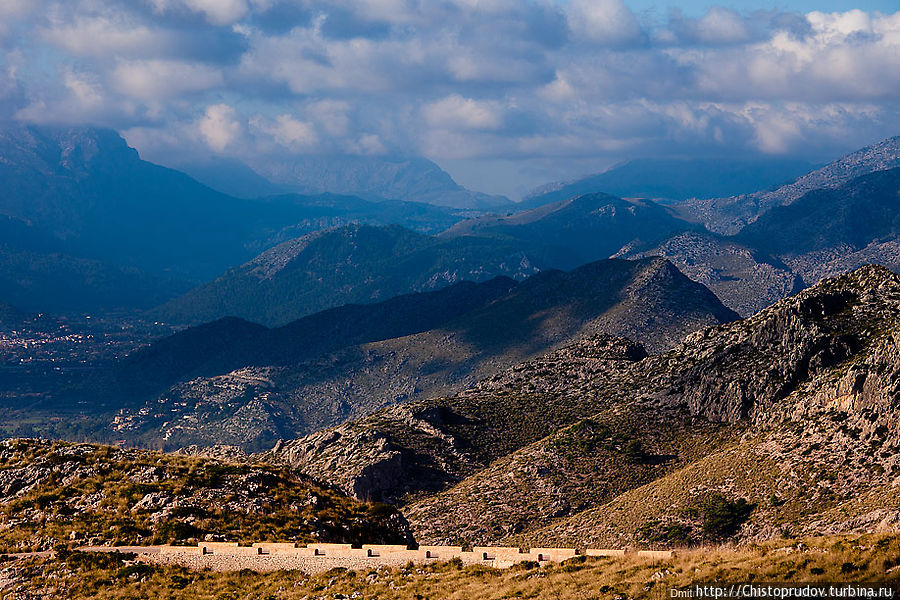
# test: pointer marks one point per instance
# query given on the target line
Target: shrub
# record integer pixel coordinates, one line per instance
(634, 451)
(722, 518)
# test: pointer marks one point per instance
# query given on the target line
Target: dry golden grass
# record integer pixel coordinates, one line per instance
(851, 559)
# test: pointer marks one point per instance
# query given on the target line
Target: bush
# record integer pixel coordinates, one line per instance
(174, 531)
(634, 451)
(722, 518)
(669, 533)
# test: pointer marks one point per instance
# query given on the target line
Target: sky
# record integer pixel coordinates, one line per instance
(504, 94)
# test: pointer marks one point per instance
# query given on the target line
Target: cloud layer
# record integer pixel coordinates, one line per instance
(581, 82)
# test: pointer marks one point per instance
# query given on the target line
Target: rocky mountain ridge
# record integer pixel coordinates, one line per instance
(787, 390)
(824, 233)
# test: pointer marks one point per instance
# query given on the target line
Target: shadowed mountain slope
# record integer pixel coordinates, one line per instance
(851, 216)
(38, 274)
(11, 316)
(253, 405)
(221, 346)
(581, 229)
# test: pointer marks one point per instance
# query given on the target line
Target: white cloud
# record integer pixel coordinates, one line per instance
(331, 116)
(604, 21)
(104, 36)
(722, 26)
(160, 79)
(287, 131)
(368, 144)
(217, 12)
(456, 112)
(220, 127)
(15, 9)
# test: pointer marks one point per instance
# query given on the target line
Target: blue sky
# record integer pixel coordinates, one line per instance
(697, 8)
(505, 94)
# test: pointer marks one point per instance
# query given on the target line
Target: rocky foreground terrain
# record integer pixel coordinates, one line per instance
(55, 493)
(781, 424)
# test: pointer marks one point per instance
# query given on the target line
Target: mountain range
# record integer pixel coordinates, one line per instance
(823, 233)
(81, 212)
(346, 362)
(415, 179)
(673, 180)
(729, 214)
(580, 229)
(364, 264)
(350, 264)
(747, 271)
(790, 411)
(593, 371)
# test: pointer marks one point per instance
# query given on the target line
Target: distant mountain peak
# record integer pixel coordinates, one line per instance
(728, 215)
(412, 179)
(675, 179)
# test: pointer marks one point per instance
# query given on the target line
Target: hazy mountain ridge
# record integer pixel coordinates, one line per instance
(730, 215)
(675, 179)
(352, 264)
(409, 179)
(84, 192)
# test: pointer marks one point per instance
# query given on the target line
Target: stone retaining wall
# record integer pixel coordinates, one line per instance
(314, 558)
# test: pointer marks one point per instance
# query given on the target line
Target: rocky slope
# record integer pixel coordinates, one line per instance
(825, 232)
(56, 493)
(729, 215)
(746, 280)
(255, 405)
(781, 422)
